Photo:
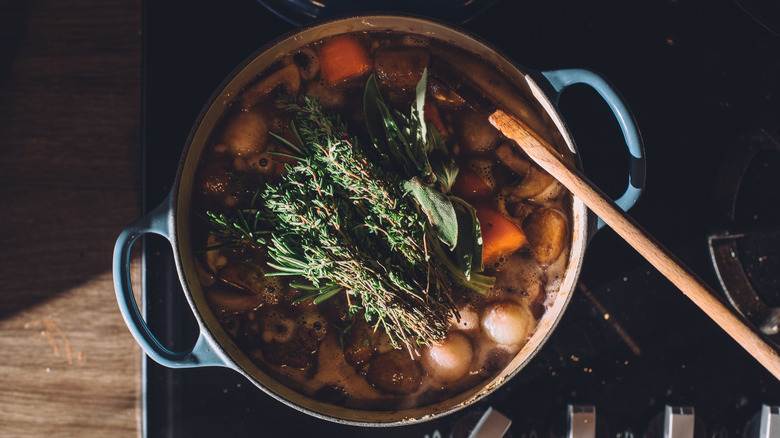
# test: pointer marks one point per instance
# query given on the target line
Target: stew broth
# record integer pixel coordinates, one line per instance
(323, 351)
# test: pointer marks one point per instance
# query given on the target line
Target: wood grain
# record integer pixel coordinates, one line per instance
(70, 84)
(652, 250)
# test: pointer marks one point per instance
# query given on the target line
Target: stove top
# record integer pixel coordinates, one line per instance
(698, 75)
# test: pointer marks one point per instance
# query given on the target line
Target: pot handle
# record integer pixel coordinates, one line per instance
(158, 221)
(560, 79)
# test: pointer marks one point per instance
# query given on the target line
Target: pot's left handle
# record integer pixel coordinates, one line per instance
(561, 79)
(158, 221)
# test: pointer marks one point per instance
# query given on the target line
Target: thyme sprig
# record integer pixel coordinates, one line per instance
(239, 228)
(372, 220)
(345, 224)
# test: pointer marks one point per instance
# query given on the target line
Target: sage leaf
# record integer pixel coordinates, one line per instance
(375, 121)
(418, 112)
(468, 251)
(437, 207)
(444, 168)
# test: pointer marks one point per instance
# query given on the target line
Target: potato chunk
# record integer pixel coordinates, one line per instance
(245, 133)
(547, 231)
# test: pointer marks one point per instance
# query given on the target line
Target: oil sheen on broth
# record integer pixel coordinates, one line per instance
(524, 214)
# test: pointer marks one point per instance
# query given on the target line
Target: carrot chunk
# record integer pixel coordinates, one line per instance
(470, 186)
(432, 115)
(341, 58)
(500, 236)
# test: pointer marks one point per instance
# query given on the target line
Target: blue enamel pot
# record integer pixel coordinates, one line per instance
(538, 103)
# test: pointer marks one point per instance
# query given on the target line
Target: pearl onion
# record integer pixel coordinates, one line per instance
(469, 320)
(507, 323)
(449, 360)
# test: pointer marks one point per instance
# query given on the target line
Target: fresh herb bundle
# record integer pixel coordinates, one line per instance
(375, 222)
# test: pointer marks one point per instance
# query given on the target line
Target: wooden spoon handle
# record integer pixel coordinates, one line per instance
(658, 256)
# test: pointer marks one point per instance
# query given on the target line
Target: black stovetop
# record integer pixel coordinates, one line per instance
(696, 73)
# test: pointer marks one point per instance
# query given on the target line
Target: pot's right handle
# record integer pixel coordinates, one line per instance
(158, 221)
(560, 79)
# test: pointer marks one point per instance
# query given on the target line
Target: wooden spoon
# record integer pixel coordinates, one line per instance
(658, 256)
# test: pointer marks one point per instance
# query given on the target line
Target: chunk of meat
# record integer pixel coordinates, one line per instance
(401, 67)
(476, 134)
(361, 344)
(395, 373)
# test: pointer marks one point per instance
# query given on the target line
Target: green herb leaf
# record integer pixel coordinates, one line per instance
(437, 207)
(418, 112)
(341, 218)
(478, 283)
(399, 141)
(344, 224)
(375, 122)
(468, 252)
(445, 169)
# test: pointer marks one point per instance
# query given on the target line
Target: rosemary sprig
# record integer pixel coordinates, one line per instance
(239, 228)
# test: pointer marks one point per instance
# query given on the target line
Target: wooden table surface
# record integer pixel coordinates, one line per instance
(70, 163)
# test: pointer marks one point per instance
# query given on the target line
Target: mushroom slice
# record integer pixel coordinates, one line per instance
(248, 276)
(547, 230)
(534, 182)
(298, 352)
(308, 63)
(214, 258)
(229, 300)
(288, 77)
(243, 275)
(284, 341)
